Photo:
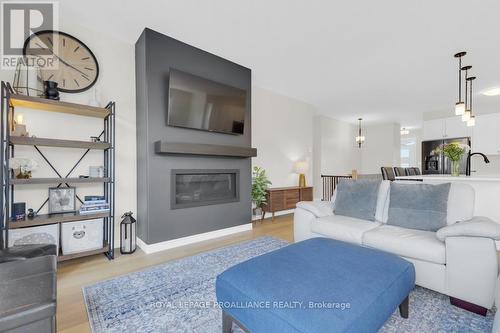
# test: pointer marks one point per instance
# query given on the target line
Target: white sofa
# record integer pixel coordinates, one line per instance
(459, 260)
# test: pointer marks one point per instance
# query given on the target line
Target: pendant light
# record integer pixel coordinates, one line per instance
(460, 106)
(466, 114)
(472, 119)
(360, 138)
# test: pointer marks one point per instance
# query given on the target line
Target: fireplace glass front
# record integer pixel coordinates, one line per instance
(192, 188)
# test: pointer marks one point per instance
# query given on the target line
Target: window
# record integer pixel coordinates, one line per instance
(408, 152)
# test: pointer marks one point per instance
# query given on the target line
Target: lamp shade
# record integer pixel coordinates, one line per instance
(471, 122)
(459, 108)
(301, 167)
(466, 115)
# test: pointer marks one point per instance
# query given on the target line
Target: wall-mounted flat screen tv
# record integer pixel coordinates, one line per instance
(199, 103)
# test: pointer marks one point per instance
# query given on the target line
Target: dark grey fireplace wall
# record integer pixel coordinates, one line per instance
(155, 54)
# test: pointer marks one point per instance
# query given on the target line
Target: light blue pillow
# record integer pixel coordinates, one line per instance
(419, 206)
(357, 198)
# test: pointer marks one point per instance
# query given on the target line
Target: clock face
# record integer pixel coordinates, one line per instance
(72, 65)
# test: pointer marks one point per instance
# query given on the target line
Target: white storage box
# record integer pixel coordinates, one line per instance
(46, 234)
(81, 236)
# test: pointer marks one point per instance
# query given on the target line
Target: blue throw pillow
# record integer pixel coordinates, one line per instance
(357, 198)
(419, 206)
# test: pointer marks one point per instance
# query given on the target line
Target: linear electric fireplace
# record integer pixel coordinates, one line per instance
(193, 188)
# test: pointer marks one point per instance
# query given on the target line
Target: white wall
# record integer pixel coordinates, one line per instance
(116, 82)
(382, 147)
(334, 149)
(282, 132)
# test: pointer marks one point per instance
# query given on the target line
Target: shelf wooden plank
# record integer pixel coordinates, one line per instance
(27, 141)
(105, 248)
(44, 219)
(162, 147)
(33, 181)
(57, 106)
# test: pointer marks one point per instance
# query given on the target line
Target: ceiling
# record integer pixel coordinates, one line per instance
(386, 60)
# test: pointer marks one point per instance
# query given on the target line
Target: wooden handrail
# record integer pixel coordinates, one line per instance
(330, 184)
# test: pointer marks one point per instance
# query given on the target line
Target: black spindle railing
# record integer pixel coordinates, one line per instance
(329, 183)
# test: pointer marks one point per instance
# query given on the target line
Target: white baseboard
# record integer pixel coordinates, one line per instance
(170, 244)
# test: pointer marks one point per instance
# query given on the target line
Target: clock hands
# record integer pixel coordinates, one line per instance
(65, 63)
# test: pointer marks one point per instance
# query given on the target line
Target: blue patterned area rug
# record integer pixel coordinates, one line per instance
(179, 296)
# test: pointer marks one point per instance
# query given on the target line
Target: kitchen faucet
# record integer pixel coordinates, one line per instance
(469, 155)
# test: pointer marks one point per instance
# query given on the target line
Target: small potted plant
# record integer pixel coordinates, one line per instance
(22, 167)
(260, 184)
(454, 151)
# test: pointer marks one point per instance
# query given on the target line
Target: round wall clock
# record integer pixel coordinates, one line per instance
(74, 66)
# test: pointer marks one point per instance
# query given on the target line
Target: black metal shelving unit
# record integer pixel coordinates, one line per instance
(9, 102)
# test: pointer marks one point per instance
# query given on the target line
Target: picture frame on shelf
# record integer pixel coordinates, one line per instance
(62, 200)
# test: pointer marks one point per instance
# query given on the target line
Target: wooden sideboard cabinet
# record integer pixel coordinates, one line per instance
(285, 198)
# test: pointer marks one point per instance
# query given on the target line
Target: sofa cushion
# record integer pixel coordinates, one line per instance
(410, 243)
(344, 228)
(357, 198)
(381, 212)
(419, 206)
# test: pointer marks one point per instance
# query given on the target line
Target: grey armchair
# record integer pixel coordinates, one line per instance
(28, 289)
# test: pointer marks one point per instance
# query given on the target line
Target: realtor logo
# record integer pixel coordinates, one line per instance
(21, 19)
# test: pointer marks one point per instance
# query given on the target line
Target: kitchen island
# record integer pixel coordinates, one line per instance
(487, 188)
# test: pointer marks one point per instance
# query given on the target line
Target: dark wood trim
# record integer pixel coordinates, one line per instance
(44, 104)
(28, 141)
(162, 147)
(404, 307)
(285, 198)
(105, 248)
(44, 219)
(477, 309)
(30, 181)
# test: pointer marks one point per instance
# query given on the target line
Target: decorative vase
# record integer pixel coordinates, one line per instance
(257, 211)
(27, 79)
(50, 90)
(455, 168)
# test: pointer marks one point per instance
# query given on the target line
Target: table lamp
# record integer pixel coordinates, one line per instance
(301, 168)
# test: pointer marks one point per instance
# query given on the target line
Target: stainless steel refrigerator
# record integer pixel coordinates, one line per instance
(436, 164)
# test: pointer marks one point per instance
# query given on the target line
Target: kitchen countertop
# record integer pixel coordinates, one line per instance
(473, 178)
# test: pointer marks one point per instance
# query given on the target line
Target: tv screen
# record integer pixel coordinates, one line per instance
(199, 103)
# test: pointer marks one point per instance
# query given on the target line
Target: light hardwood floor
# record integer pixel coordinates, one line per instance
(74, 274)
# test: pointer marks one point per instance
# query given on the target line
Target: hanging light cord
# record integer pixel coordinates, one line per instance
(460, 79)
(470, 97)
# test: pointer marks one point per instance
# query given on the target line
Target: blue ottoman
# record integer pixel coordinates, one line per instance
(318, 285)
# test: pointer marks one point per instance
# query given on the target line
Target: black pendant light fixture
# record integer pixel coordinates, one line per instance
(460, 105)
(472, 119)
(360, 138)
(466, 114)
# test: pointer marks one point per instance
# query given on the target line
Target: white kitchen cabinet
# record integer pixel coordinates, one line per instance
(433, 129)
(486, 134)
(445, 128)
(454, 127)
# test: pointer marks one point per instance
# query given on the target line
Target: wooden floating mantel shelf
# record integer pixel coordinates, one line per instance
(33, 181)
(162, 147)
(57, 106)
(27, 141)
(44, 219)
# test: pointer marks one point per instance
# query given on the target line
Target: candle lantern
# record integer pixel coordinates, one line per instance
(127, 234)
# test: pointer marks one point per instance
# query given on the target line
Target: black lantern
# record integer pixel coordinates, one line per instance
(127, 234)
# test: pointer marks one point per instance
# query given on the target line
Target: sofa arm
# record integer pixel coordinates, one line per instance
(471, 269)
(478, 226)
(317, 208)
